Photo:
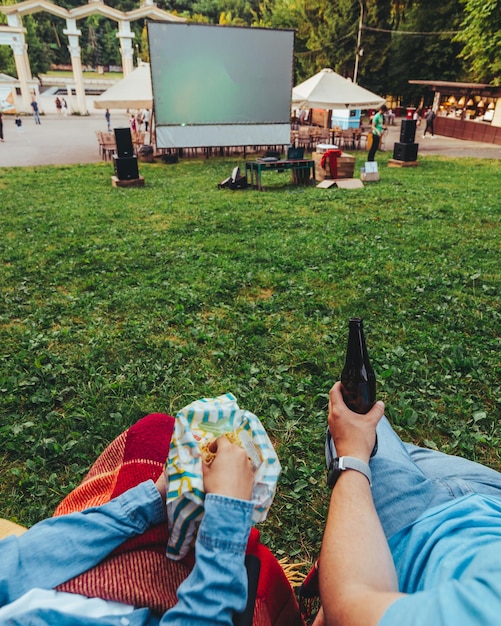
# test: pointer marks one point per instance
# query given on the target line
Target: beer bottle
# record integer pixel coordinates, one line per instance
(357, 378)
(358, 381)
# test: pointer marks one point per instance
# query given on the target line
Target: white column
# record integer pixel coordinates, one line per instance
(436, 102)
(20, 49)
(73, 35)
(126, 36)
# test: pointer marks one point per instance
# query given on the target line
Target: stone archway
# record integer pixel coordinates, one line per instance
(13, 35)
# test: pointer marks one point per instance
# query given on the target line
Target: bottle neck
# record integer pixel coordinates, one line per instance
(356, 353)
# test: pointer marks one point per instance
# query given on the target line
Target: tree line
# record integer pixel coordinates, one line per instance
(456, 40)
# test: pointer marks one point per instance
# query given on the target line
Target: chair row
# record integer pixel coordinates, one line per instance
(309, 137)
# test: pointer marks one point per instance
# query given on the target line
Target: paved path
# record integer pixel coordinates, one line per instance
(71, 140)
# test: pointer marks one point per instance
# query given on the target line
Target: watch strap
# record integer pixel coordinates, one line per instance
(340, 464)
(351, 462)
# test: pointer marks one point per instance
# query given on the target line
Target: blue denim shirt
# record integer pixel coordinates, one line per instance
(60, 548)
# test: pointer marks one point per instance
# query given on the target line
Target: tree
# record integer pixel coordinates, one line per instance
(481, 37)
(427, 52)
(38, 35)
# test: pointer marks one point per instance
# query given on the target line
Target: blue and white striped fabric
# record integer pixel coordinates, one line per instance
(197, 423)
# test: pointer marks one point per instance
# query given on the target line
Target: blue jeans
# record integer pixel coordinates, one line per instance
(408, 480)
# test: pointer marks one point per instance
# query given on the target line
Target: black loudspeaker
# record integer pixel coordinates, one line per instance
(405, 151)
(123, 139)
(125, 167)
(408, 131)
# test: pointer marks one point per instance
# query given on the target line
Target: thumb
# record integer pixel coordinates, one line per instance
(377, 410)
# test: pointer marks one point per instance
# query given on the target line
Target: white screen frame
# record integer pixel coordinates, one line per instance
(206, 93)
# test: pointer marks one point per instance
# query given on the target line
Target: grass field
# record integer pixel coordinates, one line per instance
(120, 302)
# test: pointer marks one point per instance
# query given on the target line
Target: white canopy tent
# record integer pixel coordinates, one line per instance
(132, 92)
(328, 90)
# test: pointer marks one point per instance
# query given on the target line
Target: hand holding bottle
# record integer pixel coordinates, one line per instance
(353, 434)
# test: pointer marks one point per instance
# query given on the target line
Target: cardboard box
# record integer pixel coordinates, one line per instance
(345, 167)
(369, 177)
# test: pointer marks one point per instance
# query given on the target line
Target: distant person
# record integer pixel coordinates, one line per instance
(132, 121)
(417, 117)
(1, 127)
(429, 118)
(139, 119)
(391, 117)
(59, 106)
(146, 119)
(65, 107)
(377, 131)
(36, 112)
(107, 117)
(19, 123)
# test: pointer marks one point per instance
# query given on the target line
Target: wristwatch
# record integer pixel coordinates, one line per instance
(339, 464)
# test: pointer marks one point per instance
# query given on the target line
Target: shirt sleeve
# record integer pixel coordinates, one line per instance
(466, 602)
(217, 585)
(60, 548)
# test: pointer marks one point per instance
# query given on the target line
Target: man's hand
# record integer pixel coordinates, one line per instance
(230, 473)
(353, 434)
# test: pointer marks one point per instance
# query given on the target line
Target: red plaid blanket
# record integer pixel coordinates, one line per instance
(138, 572)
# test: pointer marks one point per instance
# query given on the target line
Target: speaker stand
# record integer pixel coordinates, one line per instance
(133, 182)
(397, 163)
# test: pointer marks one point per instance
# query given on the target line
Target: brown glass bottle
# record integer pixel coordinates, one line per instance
(358, 378)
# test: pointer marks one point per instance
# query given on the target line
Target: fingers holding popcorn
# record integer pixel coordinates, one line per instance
(227, 470)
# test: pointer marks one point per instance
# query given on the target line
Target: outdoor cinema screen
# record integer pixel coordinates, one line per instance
(220, 85)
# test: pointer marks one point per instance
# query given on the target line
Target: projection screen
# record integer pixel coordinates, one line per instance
(220, 85)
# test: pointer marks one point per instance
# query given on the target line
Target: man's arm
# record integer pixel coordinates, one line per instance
(357, 575)
(60, 548)
(217, 585)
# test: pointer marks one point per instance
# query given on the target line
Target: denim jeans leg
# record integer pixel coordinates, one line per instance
(401, 490)
(408, 480)
(455, 469)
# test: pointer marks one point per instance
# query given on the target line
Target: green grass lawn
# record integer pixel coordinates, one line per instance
(120, 302)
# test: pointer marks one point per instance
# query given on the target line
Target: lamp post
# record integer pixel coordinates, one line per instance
(358, 51)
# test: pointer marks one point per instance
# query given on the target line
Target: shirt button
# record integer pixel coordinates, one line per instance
(124, 621)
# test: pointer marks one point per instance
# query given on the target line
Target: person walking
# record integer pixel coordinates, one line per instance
(377, 131)
(59, 106)
(36, 112)
(429, 117)
(107, 117)
(1, 127)
(19, 123)
(146, 119)
(65, 107)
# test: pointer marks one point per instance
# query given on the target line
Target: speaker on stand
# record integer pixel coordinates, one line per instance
(123, 139)
(406, 150)
(408, 131)
(125, 167)
(125, 161)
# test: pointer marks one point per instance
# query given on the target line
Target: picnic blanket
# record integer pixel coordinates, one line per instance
(138, 572)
